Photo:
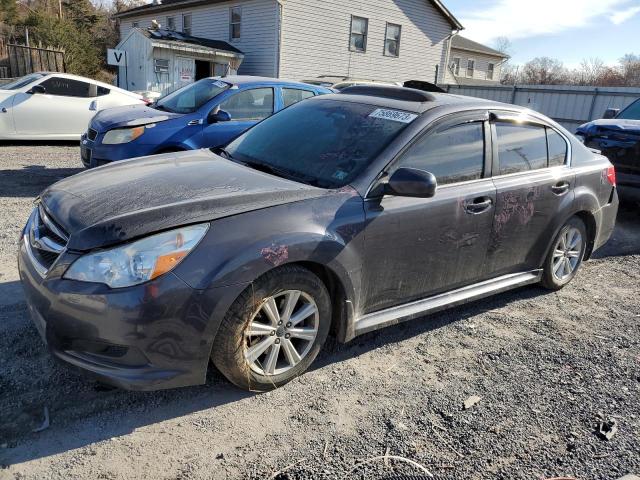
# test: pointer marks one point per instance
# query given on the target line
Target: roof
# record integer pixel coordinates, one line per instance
(172, 4)
(425, 101)
(464, 43)
(178, 38)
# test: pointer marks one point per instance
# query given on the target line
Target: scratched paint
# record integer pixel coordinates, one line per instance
(276, 255)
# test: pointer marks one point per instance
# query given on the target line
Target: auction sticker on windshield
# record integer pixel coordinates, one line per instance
(394, 115)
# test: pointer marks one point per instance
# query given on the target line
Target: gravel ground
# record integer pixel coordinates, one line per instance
(548, 368)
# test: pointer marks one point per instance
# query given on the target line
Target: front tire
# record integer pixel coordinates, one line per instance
(274, 330)
(566, 255)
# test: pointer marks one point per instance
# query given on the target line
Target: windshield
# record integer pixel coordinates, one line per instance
(21, 82)
(632, 112)
(190, 98)
(324, 142)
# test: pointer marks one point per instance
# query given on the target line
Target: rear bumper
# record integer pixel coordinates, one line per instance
(148, 337)
(607, 221)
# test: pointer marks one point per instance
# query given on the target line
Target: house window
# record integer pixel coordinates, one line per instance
(235, 23)
(471, 67)
(186, 24)
(392, 40)
(171, 23)
(455, 66)
(490, 69)
(358, 41)
(135, 24)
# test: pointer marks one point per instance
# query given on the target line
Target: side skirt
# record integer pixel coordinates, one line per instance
(401, 313)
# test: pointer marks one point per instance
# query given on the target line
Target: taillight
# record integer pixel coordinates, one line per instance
(611, 175)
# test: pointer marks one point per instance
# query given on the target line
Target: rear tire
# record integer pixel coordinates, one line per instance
(274, 330)
(566, 255)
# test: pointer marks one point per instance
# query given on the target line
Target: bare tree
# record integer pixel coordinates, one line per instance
(503, 45)
(544, 71)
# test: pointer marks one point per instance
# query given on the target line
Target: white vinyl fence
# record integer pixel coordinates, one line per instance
(568, 105)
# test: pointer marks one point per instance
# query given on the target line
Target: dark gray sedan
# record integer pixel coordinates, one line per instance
(342, 213)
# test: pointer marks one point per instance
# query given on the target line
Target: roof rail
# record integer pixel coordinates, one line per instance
(394, 93)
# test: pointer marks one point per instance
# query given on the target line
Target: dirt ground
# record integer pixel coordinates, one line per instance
(549, 367)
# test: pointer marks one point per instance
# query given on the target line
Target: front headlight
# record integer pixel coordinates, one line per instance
(122, 135)
(139, 261)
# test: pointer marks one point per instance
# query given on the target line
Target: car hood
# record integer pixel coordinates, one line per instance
(129, 116)
(132, 198)
(607, 126)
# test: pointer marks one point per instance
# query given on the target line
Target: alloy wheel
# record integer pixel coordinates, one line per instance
(281, 332)
(566, 254)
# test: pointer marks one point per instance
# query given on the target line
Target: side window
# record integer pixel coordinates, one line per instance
(521, 148)
(557, 148)
(255, 104)
(294, 95)
(171, 23)
(471, 67)
(453, 154)
(67, 88)
(456, 66)
(102, 91)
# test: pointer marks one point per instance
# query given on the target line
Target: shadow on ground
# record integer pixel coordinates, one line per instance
(31, 180)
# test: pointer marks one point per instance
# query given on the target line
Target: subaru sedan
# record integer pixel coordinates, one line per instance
(344, 213)
(207, 113)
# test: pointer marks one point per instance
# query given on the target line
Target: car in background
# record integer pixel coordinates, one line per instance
(340, 83)
(345, 213)
(208, 113)
(55, 106)
(617, 136)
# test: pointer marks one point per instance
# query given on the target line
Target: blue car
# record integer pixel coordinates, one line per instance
(208, 113)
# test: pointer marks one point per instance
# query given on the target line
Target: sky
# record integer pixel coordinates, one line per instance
(569, 30)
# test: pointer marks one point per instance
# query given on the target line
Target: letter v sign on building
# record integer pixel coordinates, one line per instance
(119, 59)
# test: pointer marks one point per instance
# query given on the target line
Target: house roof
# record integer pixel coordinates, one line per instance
(177, 38)
(172, 4)
(464, 43)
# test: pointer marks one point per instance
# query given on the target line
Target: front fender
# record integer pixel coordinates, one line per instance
(325, 231)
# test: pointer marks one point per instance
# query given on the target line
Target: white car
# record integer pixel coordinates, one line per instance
(55, 106)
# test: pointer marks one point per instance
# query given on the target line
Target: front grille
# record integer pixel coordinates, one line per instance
(45, 240)
(92, 134)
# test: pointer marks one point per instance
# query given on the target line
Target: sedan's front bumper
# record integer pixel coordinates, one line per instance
(146, 337)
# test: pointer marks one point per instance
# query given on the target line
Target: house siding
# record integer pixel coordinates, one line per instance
(481, 67)
(315, 40)
(259, 30)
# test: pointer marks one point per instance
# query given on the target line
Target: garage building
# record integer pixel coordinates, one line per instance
(161, 60)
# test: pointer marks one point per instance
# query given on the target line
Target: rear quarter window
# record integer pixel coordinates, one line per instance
(557, 146)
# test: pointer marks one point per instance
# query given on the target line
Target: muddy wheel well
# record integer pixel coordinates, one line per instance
(339, 315)
(590, 223)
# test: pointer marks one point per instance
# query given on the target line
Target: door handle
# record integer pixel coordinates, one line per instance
(478, 205)
(560, 188)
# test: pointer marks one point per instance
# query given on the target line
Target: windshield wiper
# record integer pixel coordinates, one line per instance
(281, 172)
(223, 152)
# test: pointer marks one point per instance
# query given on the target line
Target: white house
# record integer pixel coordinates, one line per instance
(471, 63)
(392, 40)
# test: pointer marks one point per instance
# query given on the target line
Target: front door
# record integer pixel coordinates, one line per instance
(533, 185)
(246, 108)
(183, 70)
(419, 247)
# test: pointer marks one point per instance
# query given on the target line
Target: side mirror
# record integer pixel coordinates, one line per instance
(611, 113)
(411, 182)
(219, 116)
(37, 89)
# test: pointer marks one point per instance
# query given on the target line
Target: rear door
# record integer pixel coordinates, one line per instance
(64, 109)
(292, 95)
(246, 107)
(418, 247)
(534, 184)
